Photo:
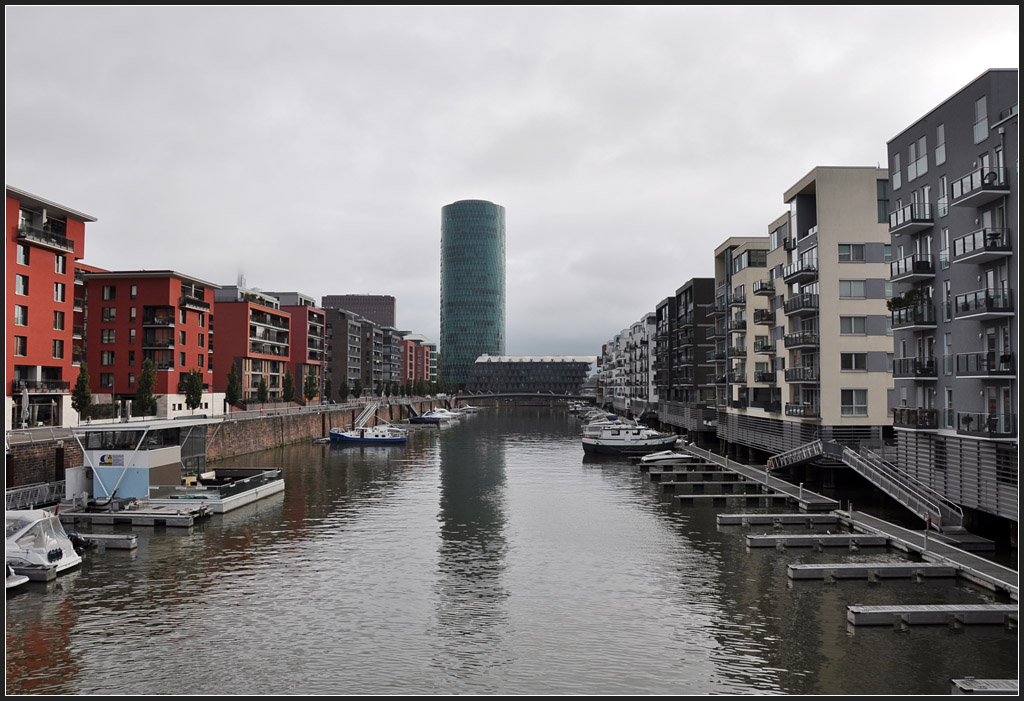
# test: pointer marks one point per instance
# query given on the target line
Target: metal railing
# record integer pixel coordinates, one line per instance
(33, 496)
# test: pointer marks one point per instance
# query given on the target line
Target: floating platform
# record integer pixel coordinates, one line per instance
(730, 499)
(113, 541)
(868, 570)
(826, 540)
(955, 614)
(777, 519)
(669, 475)
(717, 487)
(987, 687)
(182, 516)
(36, 574)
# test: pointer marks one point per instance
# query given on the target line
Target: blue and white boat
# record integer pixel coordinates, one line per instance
(374, 435)
(434, 416)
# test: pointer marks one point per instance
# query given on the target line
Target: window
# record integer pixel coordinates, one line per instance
(888, 289)
(109, 292)
(58, 291)
(942, 203)
(980, 120)
(181, 338)
(853, 325)
(851, 253)
(131, 358)
(133, 292)
(851, 288)
(23, 254)
(181, 359)
(107, 336)
(21, 285)
(200, 360)
(106, 357)
(184, 316)
(854, 402)
(20, 345)
(109, 313)
(917, 164)
(853, 362)
(896, 177)
(202, 320)
(60, 264)
(131, 313)
(106, 379)
(202, 340)
(940, 144)
(58, 321)
(58, 348)
(887, 252)
(131, 337)
(131, 379)
(20, 315)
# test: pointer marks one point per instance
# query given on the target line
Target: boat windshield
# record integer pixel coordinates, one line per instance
(45, 534)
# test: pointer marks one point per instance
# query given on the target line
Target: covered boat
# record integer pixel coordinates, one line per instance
(36, 539)
(617, 438)
(378, 435)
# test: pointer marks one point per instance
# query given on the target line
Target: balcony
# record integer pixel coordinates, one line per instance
(806, 303)
(41, 386)
(919, 266)
(984, 304)
(48, 239)
(916, 368)
(764, 316)
(979, 187)
(982, 246)
(986, 425)
(911, 218)
(789, 243)
(737, 299)
(157, 320)
(736, 325)
(770, 407)
(801, 271)
(802, 339)
(190, 302)
(985, 365)
(738, 352)
(153, 343)
(804, 411)
(915, 419)
(766, 377)
(802, 375)
(764, 287)
(78, 304)
(737, 378)
(764, 347)
(77, 331)
(917, 316)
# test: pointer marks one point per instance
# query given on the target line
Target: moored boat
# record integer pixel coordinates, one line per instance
(375, 435)
(37, 540)
(625, 439)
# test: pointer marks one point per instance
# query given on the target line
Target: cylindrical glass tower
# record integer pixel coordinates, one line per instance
(472, 286)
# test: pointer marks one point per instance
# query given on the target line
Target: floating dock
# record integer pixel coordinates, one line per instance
(955, 614)
(731, 500)
(36, 574)
(178, 516)
(825, 540)
(113, 541)
(870, 570)
(808, 520)
(988, 687)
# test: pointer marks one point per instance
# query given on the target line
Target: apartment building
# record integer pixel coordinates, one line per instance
(44, 309)
(817, 362)
(254, 333)
(344, 341)
(159, 315)
(419, 358)
(307, 349)
(954, 203)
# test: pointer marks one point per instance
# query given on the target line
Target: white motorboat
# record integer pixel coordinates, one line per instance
(625, 439)
(14, 580)
(375, 435)
(36, 539)
(668, 457)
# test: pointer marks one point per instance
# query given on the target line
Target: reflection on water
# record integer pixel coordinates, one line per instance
(488, 557)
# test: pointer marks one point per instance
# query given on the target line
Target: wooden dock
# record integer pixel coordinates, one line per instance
(824, 540)
(954, 614)
(870, 570)
(182, 516)
(808, 520)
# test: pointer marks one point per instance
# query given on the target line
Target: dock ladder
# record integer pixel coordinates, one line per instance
(366, 414)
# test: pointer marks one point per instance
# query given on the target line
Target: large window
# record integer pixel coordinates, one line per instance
(851, 288)
(23, 254)
(854, 402)
(853, 325)
(58, 348)
(109, 292)
(851, 253)
(106, 379)
(109, 313)
(59, 289)
(58, 321)
(940, 144)
(21, 285)
(60, 264)
(895, 175)
(107, 336)
(20, 315)
(106, 357)
(853, 362)
(980, 120)
(21, 345)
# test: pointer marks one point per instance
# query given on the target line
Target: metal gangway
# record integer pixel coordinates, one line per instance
(33, 496)
(366, 414)
(936, 510)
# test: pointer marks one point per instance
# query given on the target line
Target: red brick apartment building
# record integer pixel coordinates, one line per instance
(44, 242)
(254, 333)
(161, 315)
(307, 340)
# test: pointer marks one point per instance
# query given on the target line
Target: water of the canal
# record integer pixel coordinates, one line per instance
(487, 557)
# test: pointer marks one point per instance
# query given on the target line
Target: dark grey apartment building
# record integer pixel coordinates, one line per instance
(954, 274)
(380, 309)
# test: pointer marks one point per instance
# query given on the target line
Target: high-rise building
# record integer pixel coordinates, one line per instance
(472, 286)
(380, 309)
(954, 317)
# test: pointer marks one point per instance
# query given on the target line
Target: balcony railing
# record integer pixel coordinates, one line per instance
(738, 351)
(915, 367)
(770, 407)
(764, 287)
(979, 187)
(985, 365)
(197, 303)
(982, 246)
(801, 374)
(912, 217)
(46, 238)
(47, 386)
(916, 315)
(765, 376)
(918, 419)
(986, 425)
(915, 267)
(806, 411)
(764, 316)
(806, 302)
(737, 299)
(801, 270)
(984, 304)
(764, 347)
(737, 325)
(802, 339)
(157, 320)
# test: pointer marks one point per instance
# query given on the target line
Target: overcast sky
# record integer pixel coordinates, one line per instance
(313, 148)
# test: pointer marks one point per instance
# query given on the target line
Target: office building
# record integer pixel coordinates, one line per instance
(380, 309)
(562, 375)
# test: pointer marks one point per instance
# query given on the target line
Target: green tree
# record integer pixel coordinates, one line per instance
(193, 389)
(262, 391)
(328, 386)
(233, 394)
(310, 390)
(344, 391)
(288, 386)
(81, 397)
(357, 389)
(144, 400)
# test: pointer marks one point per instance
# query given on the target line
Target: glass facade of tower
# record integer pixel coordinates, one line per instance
(472, 286)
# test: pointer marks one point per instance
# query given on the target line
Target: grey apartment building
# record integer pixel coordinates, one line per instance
(955, 267)
(380, 309)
